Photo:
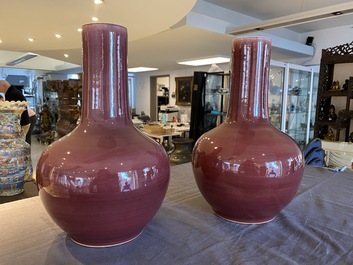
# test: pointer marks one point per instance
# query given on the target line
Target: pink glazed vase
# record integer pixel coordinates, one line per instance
(246, 169)
(103, 182)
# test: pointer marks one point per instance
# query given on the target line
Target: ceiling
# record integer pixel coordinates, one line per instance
(160, 32)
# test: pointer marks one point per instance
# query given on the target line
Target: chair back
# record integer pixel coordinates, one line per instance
(314, 154)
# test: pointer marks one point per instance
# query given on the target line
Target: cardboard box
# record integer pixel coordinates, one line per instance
(169, 130)
(153, 128)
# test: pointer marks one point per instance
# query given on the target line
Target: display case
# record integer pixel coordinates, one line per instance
(275, 93)
(292, 100)
(210, 102)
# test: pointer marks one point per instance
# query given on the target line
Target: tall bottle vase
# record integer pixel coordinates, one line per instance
(104, 181)
(246, 169)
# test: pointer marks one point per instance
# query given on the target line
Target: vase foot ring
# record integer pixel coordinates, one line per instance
(104, 246)
(8, 193)
(242, 222)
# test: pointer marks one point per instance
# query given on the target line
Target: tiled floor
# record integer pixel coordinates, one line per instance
(36, 150)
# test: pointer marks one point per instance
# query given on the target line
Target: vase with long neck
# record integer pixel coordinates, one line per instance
(246, 169)
(104, 181)
(15, 152)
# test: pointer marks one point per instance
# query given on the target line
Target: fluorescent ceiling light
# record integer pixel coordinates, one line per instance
(23, 58)
(296, 19)
(206, 61)
(141, 69)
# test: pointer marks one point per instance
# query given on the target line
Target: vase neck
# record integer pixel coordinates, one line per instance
(105, 85)
(249, 79)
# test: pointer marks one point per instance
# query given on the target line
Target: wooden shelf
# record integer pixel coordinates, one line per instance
(330, 57)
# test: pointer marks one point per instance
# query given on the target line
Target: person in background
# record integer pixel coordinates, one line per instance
(14, 94)
(32, 119)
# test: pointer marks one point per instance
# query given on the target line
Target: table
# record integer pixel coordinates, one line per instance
(160, 137)
(315, 228)
(338, 154)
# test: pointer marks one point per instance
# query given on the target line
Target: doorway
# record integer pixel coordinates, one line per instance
(157, 83)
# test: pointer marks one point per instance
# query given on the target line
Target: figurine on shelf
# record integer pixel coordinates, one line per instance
(295, 91)
(329, 136)
(332, 116)
(274, 107)
(345, 85)
(335, 86)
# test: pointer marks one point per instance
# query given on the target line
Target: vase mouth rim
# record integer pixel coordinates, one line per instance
(100, 24)
(258, 38)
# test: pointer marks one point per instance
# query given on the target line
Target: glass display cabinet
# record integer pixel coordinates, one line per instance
(209, 102)
(275, 93)
(292, 100)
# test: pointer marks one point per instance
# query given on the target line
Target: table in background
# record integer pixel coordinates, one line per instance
(338, 154)
(315, 228)
(161, 137)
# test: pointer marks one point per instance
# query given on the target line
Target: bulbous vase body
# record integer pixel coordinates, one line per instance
(246, 169)
(15, 152)
(104, 181)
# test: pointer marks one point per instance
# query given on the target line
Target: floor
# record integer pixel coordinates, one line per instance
(30, 188)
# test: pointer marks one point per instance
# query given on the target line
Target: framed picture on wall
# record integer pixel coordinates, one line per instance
(183, 90)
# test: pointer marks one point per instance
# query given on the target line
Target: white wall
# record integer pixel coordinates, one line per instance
(324, 39)
(143, 85)
(32, 74)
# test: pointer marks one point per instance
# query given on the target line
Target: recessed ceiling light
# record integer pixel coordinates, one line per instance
(58, 36)
(79, 29)
(141, 69)
(0, 41)
(95, 19)
(98, 2)
(206, 61)
(30, 39)
(66, 55)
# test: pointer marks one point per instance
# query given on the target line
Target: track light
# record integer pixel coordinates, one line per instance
(23, 58)
(295, 19)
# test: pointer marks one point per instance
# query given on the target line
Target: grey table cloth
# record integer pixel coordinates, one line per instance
(315, 228)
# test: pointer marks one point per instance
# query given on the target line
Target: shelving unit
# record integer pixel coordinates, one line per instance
(336, 65)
